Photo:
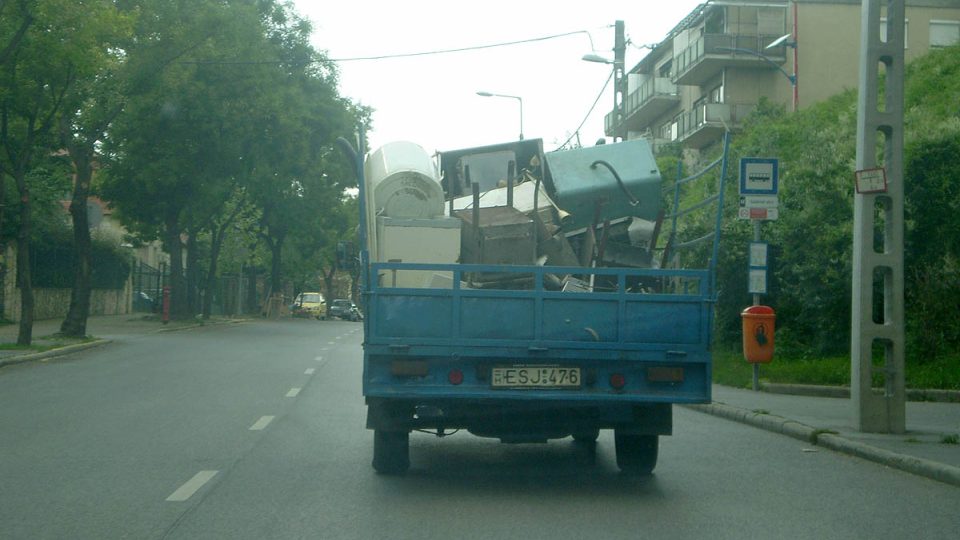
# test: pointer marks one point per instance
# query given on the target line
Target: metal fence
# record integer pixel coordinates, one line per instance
(233, 294)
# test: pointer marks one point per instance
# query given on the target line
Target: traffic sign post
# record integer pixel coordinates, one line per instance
(759, 185)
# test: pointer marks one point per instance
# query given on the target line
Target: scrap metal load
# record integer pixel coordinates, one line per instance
(513, 204)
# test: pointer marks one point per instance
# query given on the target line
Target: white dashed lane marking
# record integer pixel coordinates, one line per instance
(192, 486)
(293, 392)
(261, 423)
(309, 371)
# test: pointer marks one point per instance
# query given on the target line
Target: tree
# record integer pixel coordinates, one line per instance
(340, 226)
(176, 151)
(15, 20)
(219, 225)
(39, 69)
(299, 177)
(91, 106)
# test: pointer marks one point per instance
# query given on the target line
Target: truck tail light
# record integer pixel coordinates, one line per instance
(455, 376)
(618, 381)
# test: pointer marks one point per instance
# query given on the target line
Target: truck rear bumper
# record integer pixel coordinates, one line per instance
(600, 381)
(518, 421)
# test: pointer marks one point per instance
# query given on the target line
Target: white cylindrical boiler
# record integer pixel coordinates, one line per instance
(403, 182)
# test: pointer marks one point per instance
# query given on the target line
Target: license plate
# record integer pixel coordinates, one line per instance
(535, 377)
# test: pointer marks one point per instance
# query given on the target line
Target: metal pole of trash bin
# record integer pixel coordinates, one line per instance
(756, 302)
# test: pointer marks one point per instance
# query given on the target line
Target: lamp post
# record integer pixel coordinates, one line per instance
(519, 100)
(619, 89)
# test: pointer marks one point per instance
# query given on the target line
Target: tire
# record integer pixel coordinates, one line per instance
(587, 436)
(636, 454)
(391, 451)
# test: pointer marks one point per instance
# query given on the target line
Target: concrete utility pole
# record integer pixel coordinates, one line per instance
(878, 208)
(619, 87)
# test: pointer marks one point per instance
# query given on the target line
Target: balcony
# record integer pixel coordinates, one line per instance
(642, 106)
(710, 53)
(654, 98)
(707, 122)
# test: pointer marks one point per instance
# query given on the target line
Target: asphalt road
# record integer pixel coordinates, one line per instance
(256, 431)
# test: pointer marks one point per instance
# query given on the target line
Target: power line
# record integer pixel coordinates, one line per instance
(400, 55)
(464, 49)
(592, 107)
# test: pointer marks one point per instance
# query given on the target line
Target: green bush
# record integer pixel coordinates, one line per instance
(53, 262)
(811, 243)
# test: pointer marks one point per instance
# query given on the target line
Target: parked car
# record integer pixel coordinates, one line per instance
(345, 309)
(309, 304)
(143, 302)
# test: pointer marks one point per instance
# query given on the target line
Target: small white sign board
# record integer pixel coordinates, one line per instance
(758, 254)
(872, 181)
(758, 281)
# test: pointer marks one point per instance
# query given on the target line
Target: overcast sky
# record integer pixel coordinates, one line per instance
(431, 100)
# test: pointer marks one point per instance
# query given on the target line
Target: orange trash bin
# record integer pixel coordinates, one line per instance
(758, 327)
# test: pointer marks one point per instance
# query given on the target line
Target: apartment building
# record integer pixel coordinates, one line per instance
(715, 65)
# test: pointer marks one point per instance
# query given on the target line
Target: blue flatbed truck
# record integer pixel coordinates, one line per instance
(535, 364)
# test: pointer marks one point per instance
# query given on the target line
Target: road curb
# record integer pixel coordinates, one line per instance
(826, 439)
(77, 347)
(200, 325)
(60, 351)
(913, 394)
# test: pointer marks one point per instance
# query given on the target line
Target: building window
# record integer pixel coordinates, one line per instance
(716, 94)
(771, 21)
(665, 68)
(906, 31)
(700, 111)
(671, 130)
(716, 22)
(666, 131)
(944, 33)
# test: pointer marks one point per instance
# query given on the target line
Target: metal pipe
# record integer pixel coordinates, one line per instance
(476, 204)
(511, 165)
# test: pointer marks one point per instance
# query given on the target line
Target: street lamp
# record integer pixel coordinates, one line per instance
(597, 59)
(518, 98)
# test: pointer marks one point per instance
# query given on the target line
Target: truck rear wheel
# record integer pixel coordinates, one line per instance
(636, 454)
(391, 451)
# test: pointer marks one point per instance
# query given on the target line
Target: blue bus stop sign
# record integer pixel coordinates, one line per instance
(759, 176)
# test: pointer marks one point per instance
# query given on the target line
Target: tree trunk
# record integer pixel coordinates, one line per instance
(328, 282)
(75, 323)
(216, 241)
(276, 285)
(179, 309)
(24, 276)
(193, 274)
(251, 303)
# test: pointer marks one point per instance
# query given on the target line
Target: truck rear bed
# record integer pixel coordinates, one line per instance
(446, 343)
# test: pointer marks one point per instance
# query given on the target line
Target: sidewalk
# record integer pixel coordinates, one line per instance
(924, 449)
(103, 329)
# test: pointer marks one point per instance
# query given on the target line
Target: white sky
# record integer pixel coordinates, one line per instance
(431, 100)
